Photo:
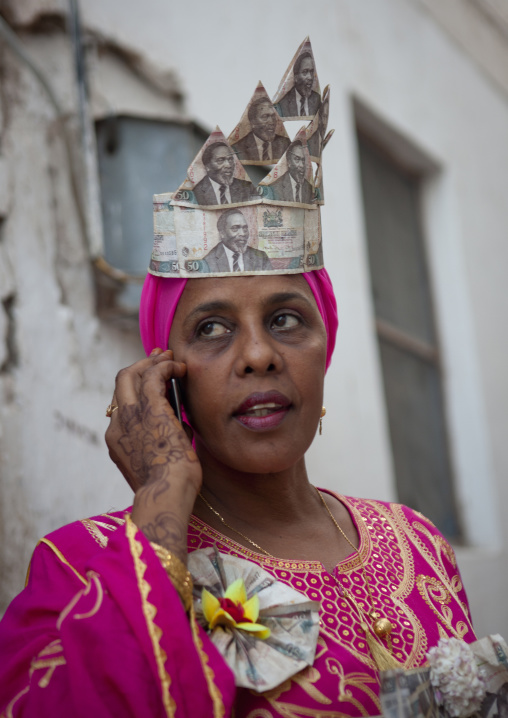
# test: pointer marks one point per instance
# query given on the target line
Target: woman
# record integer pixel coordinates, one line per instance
(105, 625)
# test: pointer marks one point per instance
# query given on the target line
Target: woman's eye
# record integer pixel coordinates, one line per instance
(285, 321)
(212, 329)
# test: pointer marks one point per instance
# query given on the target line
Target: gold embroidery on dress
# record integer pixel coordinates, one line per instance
(305, 679)
(94, 530)
(8, 711)
(63, 615)
(218, 706)
(149, 611)
(435, 561)
(117, 519)
(290, 710)
(93, 526)
(50, 664)
(461, 629)
(433, 592)
(53, 647)
(98, 601)
(441, 631)
(440, 544)
(356, 680)
(456, 584)
(48, 659)
(62, 558)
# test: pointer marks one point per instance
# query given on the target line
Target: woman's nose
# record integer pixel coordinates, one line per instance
(258, 353)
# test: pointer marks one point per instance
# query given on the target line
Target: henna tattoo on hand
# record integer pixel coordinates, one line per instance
(158, 485)
(153, 442)
(131, 416)
(168, 530)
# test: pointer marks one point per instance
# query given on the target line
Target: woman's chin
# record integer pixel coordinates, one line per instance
(260, 457)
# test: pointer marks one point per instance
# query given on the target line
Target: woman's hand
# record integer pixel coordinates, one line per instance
(153, 452)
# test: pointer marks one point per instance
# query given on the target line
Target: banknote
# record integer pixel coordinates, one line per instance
(252, 239)
(215, 177)
(313, 257)
(260, 137)
(410, 694)
(298, 96)
(316, 131)
(291, 180)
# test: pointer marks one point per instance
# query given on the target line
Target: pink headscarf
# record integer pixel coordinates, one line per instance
(160, 297)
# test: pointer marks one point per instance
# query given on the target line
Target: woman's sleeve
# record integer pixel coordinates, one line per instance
(114, 642)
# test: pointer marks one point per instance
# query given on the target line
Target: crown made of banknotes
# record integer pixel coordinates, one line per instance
(218, 222)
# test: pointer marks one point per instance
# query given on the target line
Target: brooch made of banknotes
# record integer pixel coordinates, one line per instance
(265, 630)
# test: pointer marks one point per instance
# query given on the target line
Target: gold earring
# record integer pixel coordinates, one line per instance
(323, 412)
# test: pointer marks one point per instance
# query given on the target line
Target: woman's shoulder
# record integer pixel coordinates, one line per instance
(403, 517)
(390, 507)
(74, 543)
(390, 528)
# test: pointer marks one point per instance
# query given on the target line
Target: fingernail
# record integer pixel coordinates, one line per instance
(155, 351)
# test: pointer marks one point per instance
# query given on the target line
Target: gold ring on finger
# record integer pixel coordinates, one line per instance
(111, 408)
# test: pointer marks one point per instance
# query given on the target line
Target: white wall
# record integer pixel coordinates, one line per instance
(394, 57)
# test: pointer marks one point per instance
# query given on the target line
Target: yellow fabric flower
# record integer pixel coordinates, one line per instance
(234, 610)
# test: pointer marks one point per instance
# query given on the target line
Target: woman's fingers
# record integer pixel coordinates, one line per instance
(129, 380)
(155, 380)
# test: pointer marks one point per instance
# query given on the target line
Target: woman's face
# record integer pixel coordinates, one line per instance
(255, 350)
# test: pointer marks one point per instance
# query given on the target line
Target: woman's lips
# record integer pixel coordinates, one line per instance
(262, 411)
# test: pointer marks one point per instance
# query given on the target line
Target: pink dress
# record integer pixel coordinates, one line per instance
(100, 631)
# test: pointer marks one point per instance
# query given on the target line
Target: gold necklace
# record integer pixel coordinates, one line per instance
(382, 627)
(232, 529)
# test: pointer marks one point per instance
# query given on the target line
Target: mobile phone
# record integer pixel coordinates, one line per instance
(175, 398)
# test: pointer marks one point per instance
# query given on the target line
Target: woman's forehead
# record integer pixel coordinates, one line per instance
(256, 288)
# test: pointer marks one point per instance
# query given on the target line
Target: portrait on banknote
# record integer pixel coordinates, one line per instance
(233, 253)
(291, 180)
(216, 177)
(260, 137)
(299, 95)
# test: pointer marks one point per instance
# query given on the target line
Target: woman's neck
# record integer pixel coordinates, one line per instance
(281, 513)
(261, 501)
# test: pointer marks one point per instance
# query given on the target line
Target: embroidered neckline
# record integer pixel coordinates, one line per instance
(350, 563)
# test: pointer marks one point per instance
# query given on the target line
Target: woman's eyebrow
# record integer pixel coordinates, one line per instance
(206, 307)
(283, 297)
